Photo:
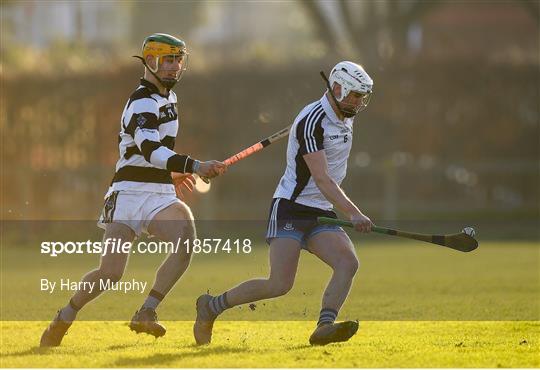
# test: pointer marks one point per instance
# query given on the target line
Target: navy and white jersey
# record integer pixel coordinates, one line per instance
(148, 132)
(316, 128)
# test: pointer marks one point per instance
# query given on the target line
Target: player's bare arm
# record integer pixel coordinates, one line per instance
(318, 167)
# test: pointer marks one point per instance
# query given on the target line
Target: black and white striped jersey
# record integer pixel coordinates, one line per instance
(316, 128)
(148, 132)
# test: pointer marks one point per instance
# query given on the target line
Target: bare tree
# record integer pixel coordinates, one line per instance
(322, 27)
(364, 33)
(533, 7)
(392, 24)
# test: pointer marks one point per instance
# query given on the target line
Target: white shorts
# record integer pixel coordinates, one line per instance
(135, 209)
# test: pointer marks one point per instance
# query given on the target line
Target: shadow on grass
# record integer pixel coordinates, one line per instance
(32, 351)
(62, 350)
(300, 346)
(122, 346)
(160, 359)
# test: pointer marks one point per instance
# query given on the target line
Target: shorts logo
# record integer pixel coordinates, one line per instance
(109, 207)
(141, 121)
(288, 226)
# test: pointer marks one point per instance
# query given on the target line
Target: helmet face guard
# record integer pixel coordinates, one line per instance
(350, 110)
(180, 59)
(351, 77)
(169, 49)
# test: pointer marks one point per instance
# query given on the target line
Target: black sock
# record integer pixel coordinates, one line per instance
(219, 304)
(69, 312)
(327, 316)
(153, 300)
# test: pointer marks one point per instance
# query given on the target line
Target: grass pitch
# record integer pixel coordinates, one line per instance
(280, 344)
(418, 305)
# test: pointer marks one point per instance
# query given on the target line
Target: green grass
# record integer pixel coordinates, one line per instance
(397, 280)
(280, 344)
(419, 306)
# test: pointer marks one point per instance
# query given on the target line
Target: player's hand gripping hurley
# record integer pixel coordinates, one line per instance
(461, 242)
(255, 148)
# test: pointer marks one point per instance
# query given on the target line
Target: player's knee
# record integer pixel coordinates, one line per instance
(118, 231)
(187, 224)
(188, 234)
(188, 229)
(280, 287)
(355, 264)
(113, 275)
(348, 265)
(352, 265)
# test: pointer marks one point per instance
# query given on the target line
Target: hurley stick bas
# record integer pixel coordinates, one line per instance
(462, 242)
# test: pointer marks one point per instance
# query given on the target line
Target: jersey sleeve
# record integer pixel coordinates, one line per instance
(310, 133)
(142, 124)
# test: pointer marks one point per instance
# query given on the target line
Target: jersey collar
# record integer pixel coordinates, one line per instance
(153, 88)
(329, 110)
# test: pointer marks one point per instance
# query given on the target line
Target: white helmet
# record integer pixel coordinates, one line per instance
(352, 77)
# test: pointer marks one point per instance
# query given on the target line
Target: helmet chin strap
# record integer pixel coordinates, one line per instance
(345, 113)
(167, 83)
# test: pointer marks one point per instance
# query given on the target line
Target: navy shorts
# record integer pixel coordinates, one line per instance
(288, 219)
